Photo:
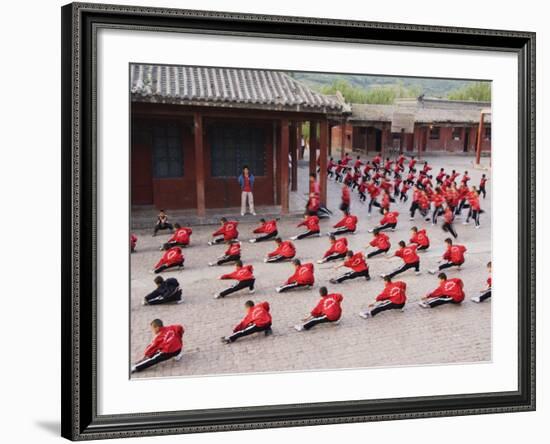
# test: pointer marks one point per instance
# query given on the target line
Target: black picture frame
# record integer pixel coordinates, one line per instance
(80, 420)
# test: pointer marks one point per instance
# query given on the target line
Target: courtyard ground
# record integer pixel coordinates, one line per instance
(447, 334)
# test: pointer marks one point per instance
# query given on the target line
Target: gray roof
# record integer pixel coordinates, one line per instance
(430, 114)
(227, 87)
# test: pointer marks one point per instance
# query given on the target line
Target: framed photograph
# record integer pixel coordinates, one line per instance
(278, 221)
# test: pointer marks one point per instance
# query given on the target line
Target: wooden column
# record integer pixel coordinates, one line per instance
(294, 148)
(343, 140)
(330, 140)
(479, 138)
(284, 165)
(313, 142)
(300, 135)
(383, 143)
(323, 154)
(199, 164)
(366, 139)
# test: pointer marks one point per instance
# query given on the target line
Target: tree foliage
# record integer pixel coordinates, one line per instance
(384, 95)
(477, 91)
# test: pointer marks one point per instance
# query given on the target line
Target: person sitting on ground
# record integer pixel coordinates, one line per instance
(348, 224)
(167, 291)
(410, 259)
(243, 274)
(420, 238)
(257, 319)
(303, 277)
(227, 232)
(284, 251)
(392, 297)
(162, 223)
(172, 258)
(232, 254)
(388, 221)
(167, 343)
(267, 229)
(358, 265)
(485, 294)
(180, 238)
(449, 291)
(328, 309)
(338, 249)
(453, 256)
(311, 223)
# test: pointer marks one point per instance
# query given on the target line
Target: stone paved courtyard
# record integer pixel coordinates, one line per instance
(447, 334)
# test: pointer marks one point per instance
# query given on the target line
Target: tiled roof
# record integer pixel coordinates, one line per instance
(227, 87)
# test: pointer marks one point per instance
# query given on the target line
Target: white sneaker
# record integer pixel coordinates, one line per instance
(265, 260)
(251, 291)
(178, 356)
(217, 296)
(403, 309)
(278, 289)
(253, 213)
(337, 322)
(318, 234)
(382, 275)
(252, 241)
(320, 261)
(242, 214)
(411, 218)
(475, 299)
(298, 327)
(393, 229)
(293, 237)
(418, 273)
(144, 302)
(210, 243)
(211, 264)
(180, 301)
(371, 230)
(478, 226)
(423, 304)
(432, 271)
(364, 314)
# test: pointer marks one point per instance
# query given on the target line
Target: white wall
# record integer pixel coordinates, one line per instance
(30, 187)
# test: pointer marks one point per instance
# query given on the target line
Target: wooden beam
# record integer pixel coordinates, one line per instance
(313, 142)
(199, 165)
(323, 154)
(284, 166)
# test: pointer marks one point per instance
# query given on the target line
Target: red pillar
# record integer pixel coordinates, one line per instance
(294, 147)
(479, 138)
(383, 142)
(343, 140)
(313, 142)
(323, 154)
(284, 166)
(199, 165)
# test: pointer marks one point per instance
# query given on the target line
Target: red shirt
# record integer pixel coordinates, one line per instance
(245, 273)
(167, 340)
(329, 306)
(345, 194)
(373, 190)
(285, 249)
(257, 315)
(181, 236)
(394, 291)
(381, 241)
(340, 246)
(267, 227)
(303, 275)
(349, 221)
(438, 199)
(420, 238)
(408, 254)
(448, 216)
(452, 288)
(133, 241)
(228, 230)
(311, 223)
(171, 257)
(246, 186)
(455, 254)
(233, 249)
(489, 281)
(389, 218)
(357, 262)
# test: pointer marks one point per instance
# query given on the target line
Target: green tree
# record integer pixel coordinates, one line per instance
(379, 94)
(477, 92)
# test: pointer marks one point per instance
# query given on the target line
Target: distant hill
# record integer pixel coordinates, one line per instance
(428, 87)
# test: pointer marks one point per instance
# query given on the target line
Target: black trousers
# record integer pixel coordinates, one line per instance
(307, 234)
(155, 359)
(434, 302)
(157, 299)
(268, 236)
(286, 287)
(252, 328)
(474, 214)
(167, 267)
(423, 247)
(405, 267)
(448, 228)
(341, 230)
(482, 191)
(344, 207)
(334, 257)
(160, 226)
(169, 245)
(278, 258)
(353, 275)
(218, 240)
(414, 207)
(385, 227)
(238, 286)
(373, 203)
(438, 211)
(362, 196)
(485, 295)
(403, 197)
(313, 322)
(385, 305)
(377, 252)
(448, 265)
(226, 259)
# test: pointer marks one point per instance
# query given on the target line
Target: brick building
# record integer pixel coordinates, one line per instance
(193, 128)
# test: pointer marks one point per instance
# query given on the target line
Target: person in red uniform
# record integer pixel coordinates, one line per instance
(404, 190)
(440, 176)
(475, 208)
(284, 251)
(453, 256)
(374, 191)
(388, 221)
(376, 161)
(227, 232)
(312, 227)
(449, 291)
(346, 199)
(339, 171)
(359, 268)
(257, 319)
(348, 224)
(386, 202)
(303, 277)
(397, 181)
(330, 167)
(393, 297)
(133, 242)
(167, 343)
(363, 187)
(482, 184)
(170, 259)
(438, 200)
(338, 249)
(409, 257)
(486, 293)
(358, 163)
(412, 163)
(465, 178)
(426, 168)
(420, 238)
(387, 165)
(462, 198)
(243, 274)
(267, 230)
(328, 309)
(381, 242)
(180, 238)
(232, 254)
(448, 218)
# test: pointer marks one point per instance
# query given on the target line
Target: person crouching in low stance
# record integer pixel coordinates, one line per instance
(232, 254)
(358, 265)
(227, 232)
(284, 251)
(453, 256)
(180, 238)
(167, 291)
(485, 294)
(303, 277)
(170, 259)
(338, 249)
(267, 230)
(392, 297)
(167, 343)
(243, 274)
(257, 319)
(328, 309)
(450, 291)
(311, 222)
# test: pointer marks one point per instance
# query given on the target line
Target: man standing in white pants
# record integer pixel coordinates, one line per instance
(246, 181)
